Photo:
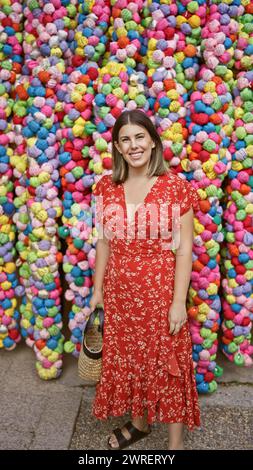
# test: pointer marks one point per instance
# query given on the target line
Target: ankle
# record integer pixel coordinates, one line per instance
(179, 445)
(141, 424)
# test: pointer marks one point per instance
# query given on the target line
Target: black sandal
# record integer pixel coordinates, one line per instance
(123, 442)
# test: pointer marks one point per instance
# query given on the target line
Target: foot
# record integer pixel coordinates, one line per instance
(113, 440)
(179, 446)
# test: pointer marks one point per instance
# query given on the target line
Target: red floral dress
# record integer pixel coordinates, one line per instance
(143, 366)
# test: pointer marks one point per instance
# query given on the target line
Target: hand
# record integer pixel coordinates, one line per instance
(97, 298)
(177, 317)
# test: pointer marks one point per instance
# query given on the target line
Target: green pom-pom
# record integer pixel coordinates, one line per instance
(101, 145)
(212, 386)
(63, 232)
(69, 347)
(239, 359)
(192, 7)
(232, 347)
(77, 172)
(78, 243)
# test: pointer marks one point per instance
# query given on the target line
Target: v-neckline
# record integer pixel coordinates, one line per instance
(140, 203)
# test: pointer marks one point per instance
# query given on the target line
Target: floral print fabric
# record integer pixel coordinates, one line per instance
(143, 366)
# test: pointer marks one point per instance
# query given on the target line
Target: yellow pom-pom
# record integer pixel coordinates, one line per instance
(249, 208)
(249, 150)
(249, 275)
(194, 21)
(231, 299)
(6, 285)
(78, 130)
(152, 44)
(237, 166)
(212, 289)
(201, 318)
(10, 268)
(204, 309)
(180, 20)
(174, 106)
(75, 97)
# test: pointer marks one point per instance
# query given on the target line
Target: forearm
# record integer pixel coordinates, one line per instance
(182, 275)
(102, 256)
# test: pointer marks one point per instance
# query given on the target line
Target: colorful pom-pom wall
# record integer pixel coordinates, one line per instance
(68, 69)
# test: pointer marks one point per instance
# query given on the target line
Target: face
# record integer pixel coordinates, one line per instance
(135, 144)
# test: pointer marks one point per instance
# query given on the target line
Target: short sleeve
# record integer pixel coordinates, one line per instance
(99, 187)
(188, 197)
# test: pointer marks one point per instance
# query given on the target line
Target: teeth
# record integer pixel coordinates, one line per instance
(136, 154)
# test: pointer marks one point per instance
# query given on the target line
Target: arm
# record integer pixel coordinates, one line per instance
(177, 312)
(102, 256)
(102, 249)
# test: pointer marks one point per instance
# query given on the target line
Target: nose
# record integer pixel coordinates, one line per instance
(133, 144)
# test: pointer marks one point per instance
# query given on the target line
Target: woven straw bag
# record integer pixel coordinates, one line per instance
(90, 357)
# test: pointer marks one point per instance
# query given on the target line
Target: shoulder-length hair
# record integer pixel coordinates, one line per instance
(157, 165)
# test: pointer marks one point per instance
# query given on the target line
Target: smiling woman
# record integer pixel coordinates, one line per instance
(147, 366)
(136, 148)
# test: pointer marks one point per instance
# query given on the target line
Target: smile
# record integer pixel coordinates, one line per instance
(136, 155)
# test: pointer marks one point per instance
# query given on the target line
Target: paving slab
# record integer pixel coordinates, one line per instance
(37, 414)
(226, 423)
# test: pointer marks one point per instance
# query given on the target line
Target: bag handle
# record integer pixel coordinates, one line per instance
(98, 312)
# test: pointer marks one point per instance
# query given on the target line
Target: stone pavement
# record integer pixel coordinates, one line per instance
(57, 414)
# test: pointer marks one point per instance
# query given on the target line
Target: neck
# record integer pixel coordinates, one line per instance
(137, 173)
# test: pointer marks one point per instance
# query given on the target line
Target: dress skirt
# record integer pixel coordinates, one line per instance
(144, 368)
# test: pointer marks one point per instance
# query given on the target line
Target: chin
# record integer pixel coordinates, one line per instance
(138, 162)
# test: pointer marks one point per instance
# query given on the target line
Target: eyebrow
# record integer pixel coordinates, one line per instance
(139, 133)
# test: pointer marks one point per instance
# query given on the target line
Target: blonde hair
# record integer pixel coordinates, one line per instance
(157, 166)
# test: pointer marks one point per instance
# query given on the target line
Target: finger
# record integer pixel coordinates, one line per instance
(175, 332)
(172, 327)
(177, 329)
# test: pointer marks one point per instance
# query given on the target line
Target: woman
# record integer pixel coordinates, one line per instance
(142, 282)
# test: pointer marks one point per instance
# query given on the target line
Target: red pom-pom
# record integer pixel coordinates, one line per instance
(116, 112)
(208, 377)
(13, 334)
(196, 147)
(204, 258)
(168, 154)
(77, 60)
(93, 73)
(204, 155)
(229, 334)
(81, 256)
(240, 269)
(200, 118)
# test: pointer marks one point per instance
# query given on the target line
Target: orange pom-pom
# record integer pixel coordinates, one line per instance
(217, 80)
(197, 266)
(49, 92)
(204, 205)
(116, 12)
(80, 106)
(44, 76)
(233, 250)
(197, 300)
(190, 50)
(169, 84)
(244, 189)
(123, 41)
(22, 93)
(215, 118)
(193, 312)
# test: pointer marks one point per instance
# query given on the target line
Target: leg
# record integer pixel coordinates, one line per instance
(140, 423)
(176, 436)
